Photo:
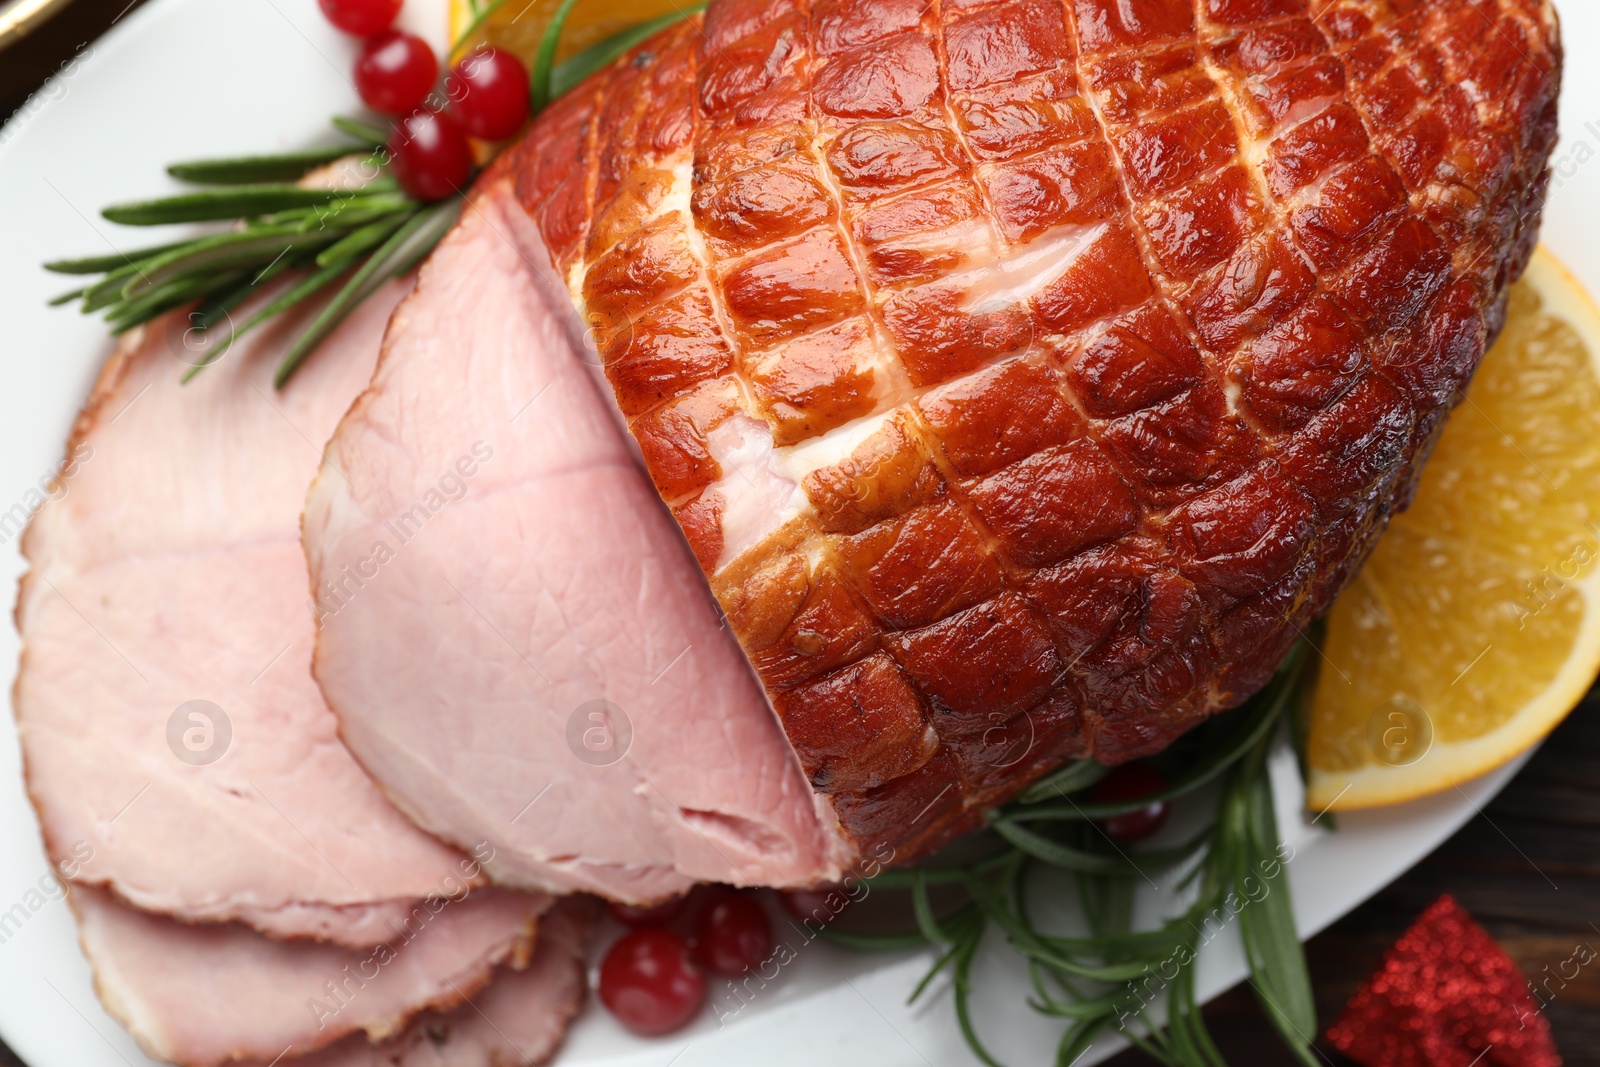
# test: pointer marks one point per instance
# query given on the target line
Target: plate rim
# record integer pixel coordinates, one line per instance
(125, 35)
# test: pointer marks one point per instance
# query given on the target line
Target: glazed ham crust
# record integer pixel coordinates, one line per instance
(1026, 376)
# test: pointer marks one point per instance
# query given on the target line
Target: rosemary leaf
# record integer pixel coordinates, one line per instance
(233, 202)
(365, 132)
(1043, 999)
(544, 59)
(179, 291)
(565, 76)
(1108, 905)
(351, 210)
(1184, 1025)
(1074, 859)
(435, 222)
(108, 290)
(355, 213)
(1059, 855)
(922, 908)
(1143, 944)
(360, 240)
(1079, 774)
(254, 246)
(304, 289)
(946, 958)
(961, 970)
(213, 310)
(1147, 1044)
(963, 923)
(1277, 959)
(384, 182)
(1077, 1008)
(904, 879)
(1023, 937)
(394, 257)
(1193, 1022)
(248, 170)
(1076, 1041)
(101, 264)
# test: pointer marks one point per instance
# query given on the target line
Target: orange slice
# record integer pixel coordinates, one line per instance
(1475, 627)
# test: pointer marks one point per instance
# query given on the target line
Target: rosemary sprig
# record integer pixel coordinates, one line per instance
(235, 202)
(544, 59)
(1116, 975)
(1277, 962)
(365, 132)
(278, 226)
(364, 236)
(249, 170)
(102, 264)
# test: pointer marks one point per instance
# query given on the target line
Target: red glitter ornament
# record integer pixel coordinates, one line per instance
(1446, 996)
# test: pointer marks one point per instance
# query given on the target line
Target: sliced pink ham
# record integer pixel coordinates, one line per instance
(462, 639)
(189, 578)
(518, 1021)
(203, 994)
(170, 571)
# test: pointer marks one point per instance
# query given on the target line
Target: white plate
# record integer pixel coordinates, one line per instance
(180, 79)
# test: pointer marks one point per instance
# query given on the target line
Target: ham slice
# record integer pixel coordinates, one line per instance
(204, 994)
(518, 1021)
(1024, 377)
(190, 581)
(170, 572)
(490, 563)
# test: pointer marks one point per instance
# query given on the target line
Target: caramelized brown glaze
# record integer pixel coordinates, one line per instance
(1140, 316)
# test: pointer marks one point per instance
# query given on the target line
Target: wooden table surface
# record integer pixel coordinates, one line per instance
(1528, 869)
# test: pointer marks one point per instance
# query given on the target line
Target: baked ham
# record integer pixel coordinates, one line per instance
(1023, 378)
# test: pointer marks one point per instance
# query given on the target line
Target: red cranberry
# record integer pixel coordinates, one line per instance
(395, 72)
(362, 18)
(489, 94)
(650, 982)
(430, 155)
(733, 934)
(1131, 781)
